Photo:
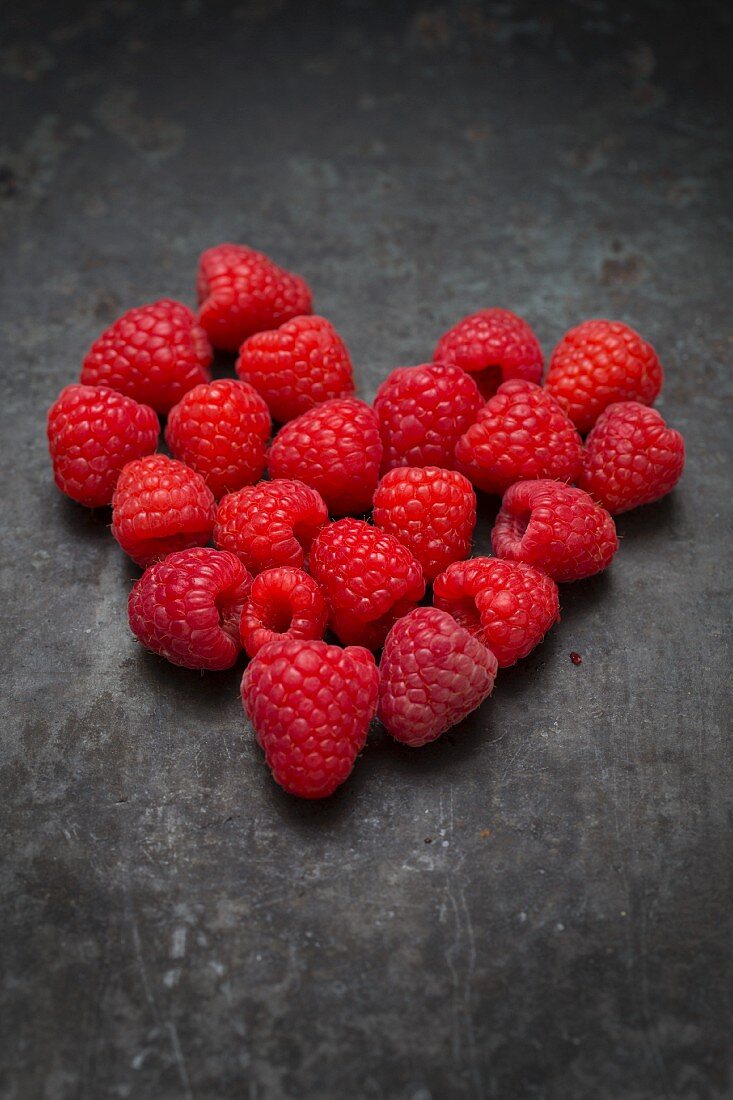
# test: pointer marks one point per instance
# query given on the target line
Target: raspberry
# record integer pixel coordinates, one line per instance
(297, 366)
(221, 429)
(494, 345)
(631, 457)
(273, 523)
(153, 353)
(521, 433)
(160, 506)
(242, 292)
(598, 363)
(187, 608)
(432, 674)
(507, 605)
(423, 411)
(310, 705)
(92, 432)
(336, 449)
(370, 580)
(431, 511)
(556, 528)
(283, 603)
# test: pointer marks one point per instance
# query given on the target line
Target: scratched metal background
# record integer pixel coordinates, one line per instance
(540, 905)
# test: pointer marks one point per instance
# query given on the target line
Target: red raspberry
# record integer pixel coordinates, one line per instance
(370, 580)
(494, 345)
(273, 523)
(432, 674)
(431, 511)
(187, 608)
(507, 605)
(221, 429)
(242, 292)
(154, 353)
(336, 449)
(423, 411)
(297, 366)
(521, 433)
(631, 457)
(556, 528)
(160, 506)
(598, 363)
(283, 603)
(310, 705)
(92, 432)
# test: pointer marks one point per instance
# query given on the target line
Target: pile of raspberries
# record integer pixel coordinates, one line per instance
(364, 507)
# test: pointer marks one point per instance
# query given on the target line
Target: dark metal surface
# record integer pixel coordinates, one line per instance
(539, 905)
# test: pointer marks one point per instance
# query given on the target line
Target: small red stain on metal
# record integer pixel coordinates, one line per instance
(576, 658)
(484, 833)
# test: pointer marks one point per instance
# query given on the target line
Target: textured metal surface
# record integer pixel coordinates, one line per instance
(538, 906)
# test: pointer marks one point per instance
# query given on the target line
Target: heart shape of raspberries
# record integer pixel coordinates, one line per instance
(323, 544)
